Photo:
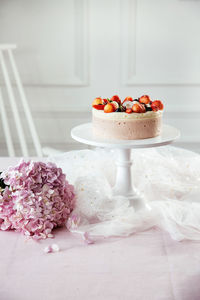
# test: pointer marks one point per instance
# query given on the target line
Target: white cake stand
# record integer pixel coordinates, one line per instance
(123, 185)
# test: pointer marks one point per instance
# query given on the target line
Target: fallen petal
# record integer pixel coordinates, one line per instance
(87, 239)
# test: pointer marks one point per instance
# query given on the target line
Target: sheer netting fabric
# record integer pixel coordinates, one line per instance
(167, 177)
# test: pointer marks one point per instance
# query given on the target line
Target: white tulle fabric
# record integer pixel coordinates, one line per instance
(168, 177)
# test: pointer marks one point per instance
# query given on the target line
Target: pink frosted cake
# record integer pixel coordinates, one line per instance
(128, 120)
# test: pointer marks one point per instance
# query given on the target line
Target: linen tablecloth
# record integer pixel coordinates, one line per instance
(148, 265)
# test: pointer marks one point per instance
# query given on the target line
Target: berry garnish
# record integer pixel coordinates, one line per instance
(157, 105)
(128, 104)
(138, 108)
(144, 99)
(127, 99)
(108, 108)
(116, 98)
(115, 104)
(148, 107)
(97, 101)
(105, 101)
(99, 106)
(121, 109)
(129, 111)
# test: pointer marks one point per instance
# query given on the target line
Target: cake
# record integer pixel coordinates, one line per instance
(131, 119)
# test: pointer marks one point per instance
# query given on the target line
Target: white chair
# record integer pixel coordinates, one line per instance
(6, 56)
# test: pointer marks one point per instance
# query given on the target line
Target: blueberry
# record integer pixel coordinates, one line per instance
(148, 108)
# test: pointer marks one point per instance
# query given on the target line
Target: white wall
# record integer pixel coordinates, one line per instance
(70, 51)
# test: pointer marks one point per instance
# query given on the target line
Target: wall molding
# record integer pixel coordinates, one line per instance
(73, 118)
(80, 75)
(81, 62)
(128, 41)
(76, 111)
(63, 147)
(129, 16)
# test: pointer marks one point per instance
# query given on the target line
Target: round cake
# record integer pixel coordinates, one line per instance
(131, 119)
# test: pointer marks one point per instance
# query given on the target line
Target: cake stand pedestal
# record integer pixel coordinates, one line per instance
(123, 185)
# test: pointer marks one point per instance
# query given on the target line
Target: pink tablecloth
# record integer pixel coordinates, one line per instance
(149, 266)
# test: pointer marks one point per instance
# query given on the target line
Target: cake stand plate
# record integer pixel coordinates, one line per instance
(123, 185)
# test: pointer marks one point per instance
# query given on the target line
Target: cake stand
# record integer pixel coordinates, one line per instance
(123, 185)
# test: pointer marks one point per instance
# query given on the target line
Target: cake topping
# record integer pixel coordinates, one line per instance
(99, 106)
(138, 105)
(145, 99)
(157, 105)
(127, 99)
(138, 108)
(127, 104)
(97, 101)
(116, 98)
(109, 108)
(115, 104)
(129, 111)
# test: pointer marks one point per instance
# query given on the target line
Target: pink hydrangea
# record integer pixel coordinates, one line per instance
(37, 199)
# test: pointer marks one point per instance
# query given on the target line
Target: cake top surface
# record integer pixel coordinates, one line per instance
(143, 106)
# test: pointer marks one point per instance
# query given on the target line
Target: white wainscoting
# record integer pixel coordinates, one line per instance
(71, 51)
(52, 38)
(160, 43)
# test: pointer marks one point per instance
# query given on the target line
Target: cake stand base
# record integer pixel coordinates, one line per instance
(123, 185)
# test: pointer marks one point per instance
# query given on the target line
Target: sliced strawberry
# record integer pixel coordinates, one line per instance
(97, 101)
(105, 101)
(129, 111)
(99, 106)
(115, 104)
(145, 99)
(109, 108)
(138, 108)
(157, 105)
(116, 98)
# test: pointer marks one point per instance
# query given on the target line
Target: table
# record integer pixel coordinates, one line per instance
(145, 266)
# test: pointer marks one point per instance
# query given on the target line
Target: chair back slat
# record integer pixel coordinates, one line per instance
(6, 128)
(25, 105)
(7, 49)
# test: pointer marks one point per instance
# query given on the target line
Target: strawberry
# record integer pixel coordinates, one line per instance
(138, 108)
(108, 108)
(97, 101)
(115, 105)
(128, 102)
(129, 111)
(145, 99)
(157, 105)
(99, 106)
(105, 101)
(116, 98)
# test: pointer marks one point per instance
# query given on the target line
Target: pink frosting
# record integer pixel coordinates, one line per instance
(130, 129)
